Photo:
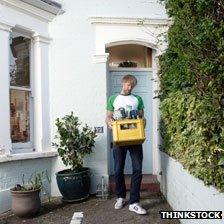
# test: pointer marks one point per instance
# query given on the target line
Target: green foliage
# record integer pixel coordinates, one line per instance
(35, 182)
(192, 83)
(74, 141)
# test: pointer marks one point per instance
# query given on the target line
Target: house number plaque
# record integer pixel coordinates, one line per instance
(98, 129)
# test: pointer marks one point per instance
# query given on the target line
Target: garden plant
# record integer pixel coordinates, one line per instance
(192, 88)
(73, 142)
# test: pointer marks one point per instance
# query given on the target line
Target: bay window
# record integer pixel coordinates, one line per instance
(24, 84)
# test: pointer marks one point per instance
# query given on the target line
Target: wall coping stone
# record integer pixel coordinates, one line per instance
(25, 156)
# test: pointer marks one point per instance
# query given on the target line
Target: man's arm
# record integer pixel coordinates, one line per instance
(109, 119)
(141, 115)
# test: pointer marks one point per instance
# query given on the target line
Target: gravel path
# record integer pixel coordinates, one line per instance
(96, 212)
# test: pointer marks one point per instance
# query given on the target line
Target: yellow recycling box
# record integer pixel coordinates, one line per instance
(128, 132)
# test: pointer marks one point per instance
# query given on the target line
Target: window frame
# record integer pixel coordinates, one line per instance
(21, 147)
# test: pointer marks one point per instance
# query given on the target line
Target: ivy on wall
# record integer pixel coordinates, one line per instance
(192, 84)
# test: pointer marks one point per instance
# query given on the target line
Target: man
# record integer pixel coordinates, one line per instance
(124, 99)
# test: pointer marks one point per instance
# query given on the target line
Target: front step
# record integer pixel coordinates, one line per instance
(149, 183)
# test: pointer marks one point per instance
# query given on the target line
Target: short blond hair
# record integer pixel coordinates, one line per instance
(130, 78)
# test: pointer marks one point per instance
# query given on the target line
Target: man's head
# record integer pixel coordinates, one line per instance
(128, 83)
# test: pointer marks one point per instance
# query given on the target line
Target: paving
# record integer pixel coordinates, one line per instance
(96, 211)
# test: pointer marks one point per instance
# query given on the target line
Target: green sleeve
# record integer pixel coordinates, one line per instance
(140, 103)
(110, 103)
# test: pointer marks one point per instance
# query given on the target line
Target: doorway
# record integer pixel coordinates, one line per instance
(143, 89)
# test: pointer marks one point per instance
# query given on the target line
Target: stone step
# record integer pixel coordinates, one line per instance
(149, 183)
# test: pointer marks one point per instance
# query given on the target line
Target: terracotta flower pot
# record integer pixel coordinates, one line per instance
(25, 203)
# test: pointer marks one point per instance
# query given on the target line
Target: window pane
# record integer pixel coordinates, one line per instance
(20, 116)
(19, 60)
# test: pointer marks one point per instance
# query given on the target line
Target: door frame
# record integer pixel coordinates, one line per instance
(156, 139)
(123, 69)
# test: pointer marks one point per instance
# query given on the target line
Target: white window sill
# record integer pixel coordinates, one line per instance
(24, 156)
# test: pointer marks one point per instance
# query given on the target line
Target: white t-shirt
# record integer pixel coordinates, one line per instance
(117, 101)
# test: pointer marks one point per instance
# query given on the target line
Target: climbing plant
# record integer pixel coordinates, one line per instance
(192, 84)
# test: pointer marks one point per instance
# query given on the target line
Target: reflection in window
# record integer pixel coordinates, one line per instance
(19, 110)
(20, 61)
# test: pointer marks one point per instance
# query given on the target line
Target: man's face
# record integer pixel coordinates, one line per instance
(127, 87)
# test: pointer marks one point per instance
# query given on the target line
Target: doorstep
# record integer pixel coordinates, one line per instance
(149, 183)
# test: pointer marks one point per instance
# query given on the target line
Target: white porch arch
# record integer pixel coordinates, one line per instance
(136, 41)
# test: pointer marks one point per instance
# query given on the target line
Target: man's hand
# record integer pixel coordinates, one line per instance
(110, 124)
(109, 119)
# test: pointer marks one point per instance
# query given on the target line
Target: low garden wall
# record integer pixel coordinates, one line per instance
(11, 173)
(187, 193)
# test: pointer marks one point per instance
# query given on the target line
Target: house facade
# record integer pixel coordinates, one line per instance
(58, 57)
(62, 57)
(103, 36)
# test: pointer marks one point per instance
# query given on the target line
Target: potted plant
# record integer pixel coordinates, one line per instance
(25, 198)
(74, 142)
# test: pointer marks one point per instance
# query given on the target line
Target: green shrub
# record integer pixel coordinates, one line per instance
(74, 141)
(192, 83)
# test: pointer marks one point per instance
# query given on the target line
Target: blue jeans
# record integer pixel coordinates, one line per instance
(136, 153)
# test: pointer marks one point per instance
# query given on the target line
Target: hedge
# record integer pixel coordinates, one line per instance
(192, 84)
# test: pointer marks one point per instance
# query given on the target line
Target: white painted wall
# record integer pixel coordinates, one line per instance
(187, 193)
(76, 82)
(5, 142)
(19, 18)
